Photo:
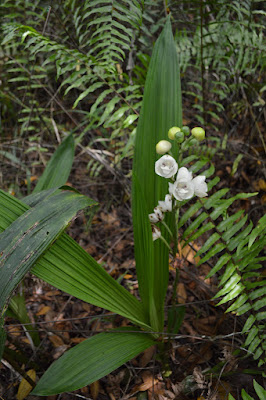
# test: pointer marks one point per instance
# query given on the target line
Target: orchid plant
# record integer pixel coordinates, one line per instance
(32, 238)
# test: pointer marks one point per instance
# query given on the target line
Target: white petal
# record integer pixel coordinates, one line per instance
(171, 188)
(200, 186)
(158, 213)
(156, 233)
(153, 218)
(184, 173)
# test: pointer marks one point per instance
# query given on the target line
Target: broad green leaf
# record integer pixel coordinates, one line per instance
(70, 268)
(161, 109)
(58, 168)
(27, 238)
(91, 360)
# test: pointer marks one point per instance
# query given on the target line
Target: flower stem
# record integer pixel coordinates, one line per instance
(167, 227)
(166, 243)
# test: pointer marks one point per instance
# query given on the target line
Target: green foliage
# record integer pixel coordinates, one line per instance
(58, 168)
(260, 392)
(24, 241)
(91, 360)
(225, 49)
(234, 247)
(160, 110)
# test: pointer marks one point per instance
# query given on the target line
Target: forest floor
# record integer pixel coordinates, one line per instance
(204, 360)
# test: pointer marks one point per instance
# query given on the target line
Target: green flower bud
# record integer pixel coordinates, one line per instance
(198, 133)
(163, 147)
(185, 130)
(179, 137)
(192, 142)
(172, 131)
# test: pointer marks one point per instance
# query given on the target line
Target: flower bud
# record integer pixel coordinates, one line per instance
(172, 131)
(179, 137)
(198, 133)
(163, 147)
(185, 130)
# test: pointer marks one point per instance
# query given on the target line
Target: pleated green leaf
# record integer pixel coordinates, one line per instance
(58, 168)
(70, 268)
(91, 360)
(26, 239)
(161, 109)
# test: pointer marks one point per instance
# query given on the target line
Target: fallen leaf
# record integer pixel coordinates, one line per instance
(147, 356)
(25, 387)
(181, 293)
(56, 340)
(43, 310)
(148, 382)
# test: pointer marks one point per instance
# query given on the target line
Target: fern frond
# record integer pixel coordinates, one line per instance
(236, 246)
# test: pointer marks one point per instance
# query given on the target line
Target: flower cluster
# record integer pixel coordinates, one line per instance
(183, 188)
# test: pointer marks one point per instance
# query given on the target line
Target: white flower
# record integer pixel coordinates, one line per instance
(166, 205)
(156, 233)
(153, 218)
(166, 166)
(163, 147)
(183, 187)
(200, 186)
(157, 215)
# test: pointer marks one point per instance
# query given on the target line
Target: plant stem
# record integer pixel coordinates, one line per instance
(168, 229)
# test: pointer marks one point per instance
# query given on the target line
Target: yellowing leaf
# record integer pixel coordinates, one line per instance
(24, 387)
